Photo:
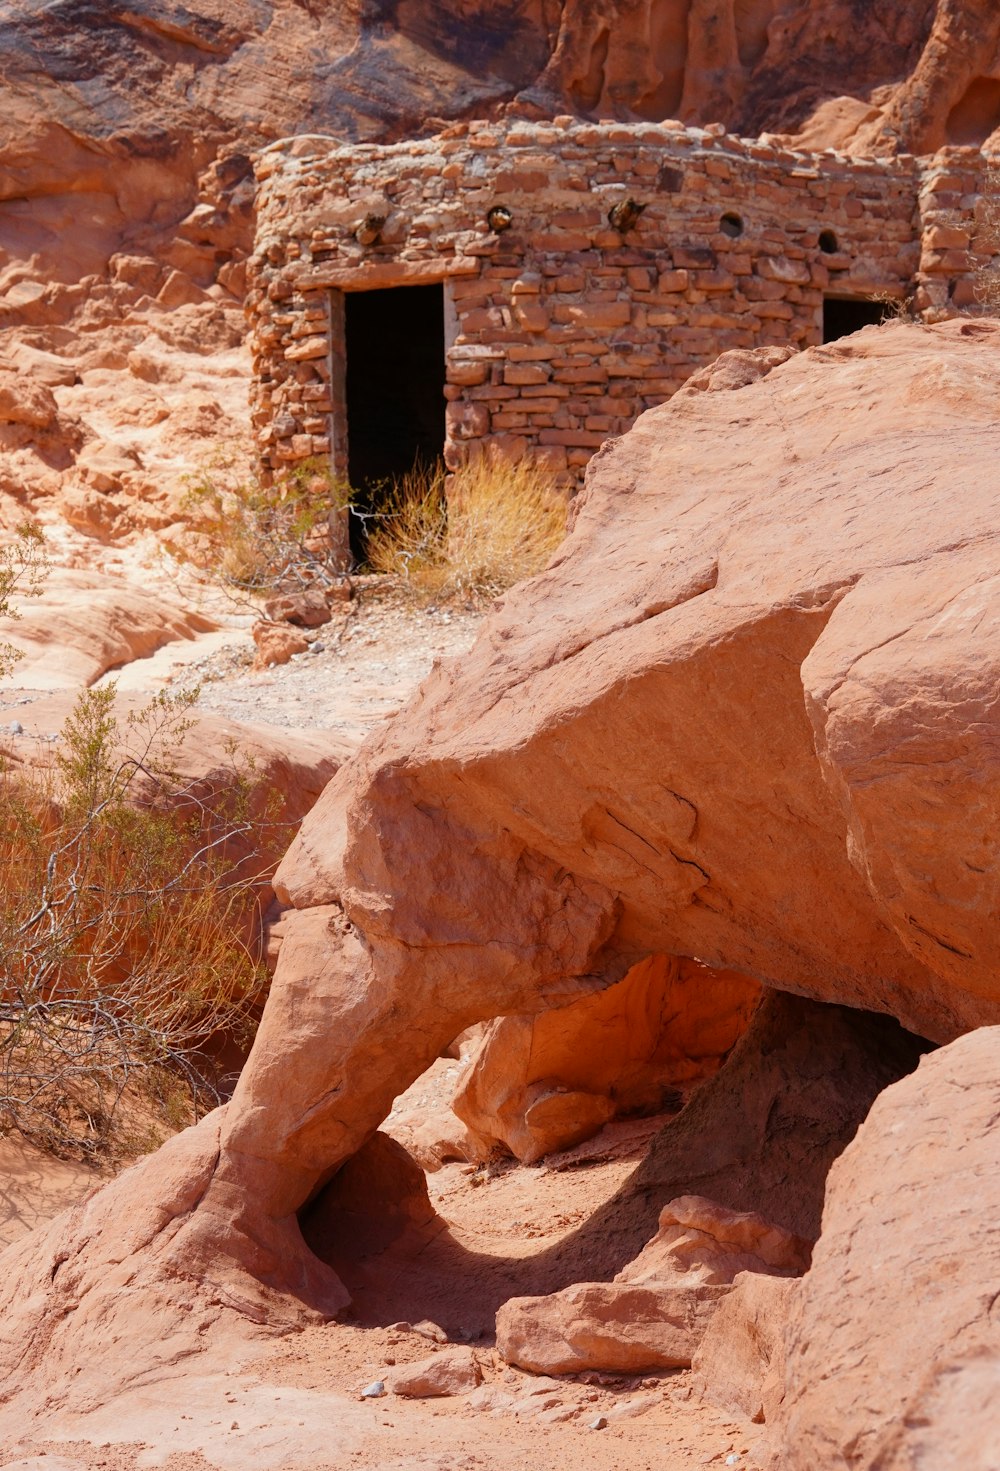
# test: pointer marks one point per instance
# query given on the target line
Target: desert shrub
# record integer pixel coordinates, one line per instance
(987, 244)
(120, 920)
(497, 524)
(23, 564)
(258, 537)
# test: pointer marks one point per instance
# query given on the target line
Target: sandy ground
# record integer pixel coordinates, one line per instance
(359, 669)
(295, 1404)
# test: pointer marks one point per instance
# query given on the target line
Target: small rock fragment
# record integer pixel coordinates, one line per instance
(599, 1422)
(375, 1390)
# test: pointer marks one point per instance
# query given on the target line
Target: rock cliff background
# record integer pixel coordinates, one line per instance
(126, 193)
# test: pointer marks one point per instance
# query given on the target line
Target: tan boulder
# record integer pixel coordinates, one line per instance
(43, 367)
(656, 1311)
(425, 1125)
(26, 401)
(179, 290)
(622, 1328)
(307, 609)
(276, 643)
(452, 1371)
(892, 1343)
(545, 1082)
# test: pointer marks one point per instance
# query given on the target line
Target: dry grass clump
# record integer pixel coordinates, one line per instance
(497, 524)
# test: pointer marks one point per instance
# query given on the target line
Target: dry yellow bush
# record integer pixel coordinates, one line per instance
(498, 523)
(987, 244)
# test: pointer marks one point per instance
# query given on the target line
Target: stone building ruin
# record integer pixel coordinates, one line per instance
(531, 288)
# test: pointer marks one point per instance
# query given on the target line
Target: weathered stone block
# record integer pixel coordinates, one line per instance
(598, 316)
(530, 315)
(781, 268)
(521, 373)
(466, 373)
(467, 420)
(305, 348)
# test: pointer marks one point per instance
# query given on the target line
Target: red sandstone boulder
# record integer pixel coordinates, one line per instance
(623, 1328)
(546, 1082)
(655, 1313)
(700, 1238)
(892, 1341)
(22, 401)
(452, 1371)
(276, 643)
(306, 609)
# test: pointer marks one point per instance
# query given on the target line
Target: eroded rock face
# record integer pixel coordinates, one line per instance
(703, 731)
(545, 1082)
(892, 1342)
(83, 624)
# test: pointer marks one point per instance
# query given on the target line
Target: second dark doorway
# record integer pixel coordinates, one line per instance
(395, 390)
(843, 315)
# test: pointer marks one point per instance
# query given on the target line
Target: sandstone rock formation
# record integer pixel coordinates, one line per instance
(798, 628)
(656, 1311)
(819, 71)
(746, 715)
(892, 1341)
(545, 1082)
(82, 624)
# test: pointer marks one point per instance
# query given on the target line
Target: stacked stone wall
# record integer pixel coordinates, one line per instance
(562, 328)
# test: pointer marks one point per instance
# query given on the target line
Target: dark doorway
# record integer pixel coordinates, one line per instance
(843, 315)
(395, 390)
